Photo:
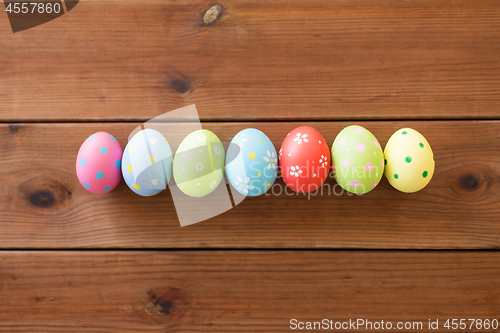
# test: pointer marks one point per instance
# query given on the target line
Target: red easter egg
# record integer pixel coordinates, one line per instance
(304, 159)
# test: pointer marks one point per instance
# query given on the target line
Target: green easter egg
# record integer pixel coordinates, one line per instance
(358, 160)
(199, 163)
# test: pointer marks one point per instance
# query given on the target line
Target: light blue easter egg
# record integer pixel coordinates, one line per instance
(147, 163)
(251, 162)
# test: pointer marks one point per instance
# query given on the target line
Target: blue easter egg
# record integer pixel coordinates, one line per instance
(251, 162)
(147, 163)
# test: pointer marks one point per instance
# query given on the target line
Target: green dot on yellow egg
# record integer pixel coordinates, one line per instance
(396, 176)
(408, 159)
(404, 132)
(385, 161)
(421, 145)
(425, 174)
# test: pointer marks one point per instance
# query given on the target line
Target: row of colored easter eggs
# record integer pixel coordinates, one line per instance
(305, 160)
(358, 162)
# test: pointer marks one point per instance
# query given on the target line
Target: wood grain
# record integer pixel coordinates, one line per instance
(44, 205)
(279, 60)
(200, 291)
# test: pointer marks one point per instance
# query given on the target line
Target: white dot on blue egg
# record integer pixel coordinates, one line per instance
(107, 188)
(112, 138)
(86, 185)
(99, 175)
(103, 150)
(118, 164)
(82, 162)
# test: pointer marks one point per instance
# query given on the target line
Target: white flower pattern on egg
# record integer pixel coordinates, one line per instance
(296, 171)
(199, 166)
(270, 158)
(323, 161)
(240, 139)
(243, 186)
(299, 138)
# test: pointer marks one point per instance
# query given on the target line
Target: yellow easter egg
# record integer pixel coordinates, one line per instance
(409, 161)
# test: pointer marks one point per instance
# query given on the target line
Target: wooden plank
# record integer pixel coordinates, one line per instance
(316, 60)
(199, 291)
(44, 205)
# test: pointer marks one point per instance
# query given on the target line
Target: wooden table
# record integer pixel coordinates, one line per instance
(72, 261)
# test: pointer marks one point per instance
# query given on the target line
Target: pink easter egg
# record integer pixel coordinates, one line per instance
(98, 164)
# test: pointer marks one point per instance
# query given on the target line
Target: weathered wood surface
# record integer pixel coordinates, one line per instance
(308, 60)
(258, 60)
(44, 205)
(234, 291)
